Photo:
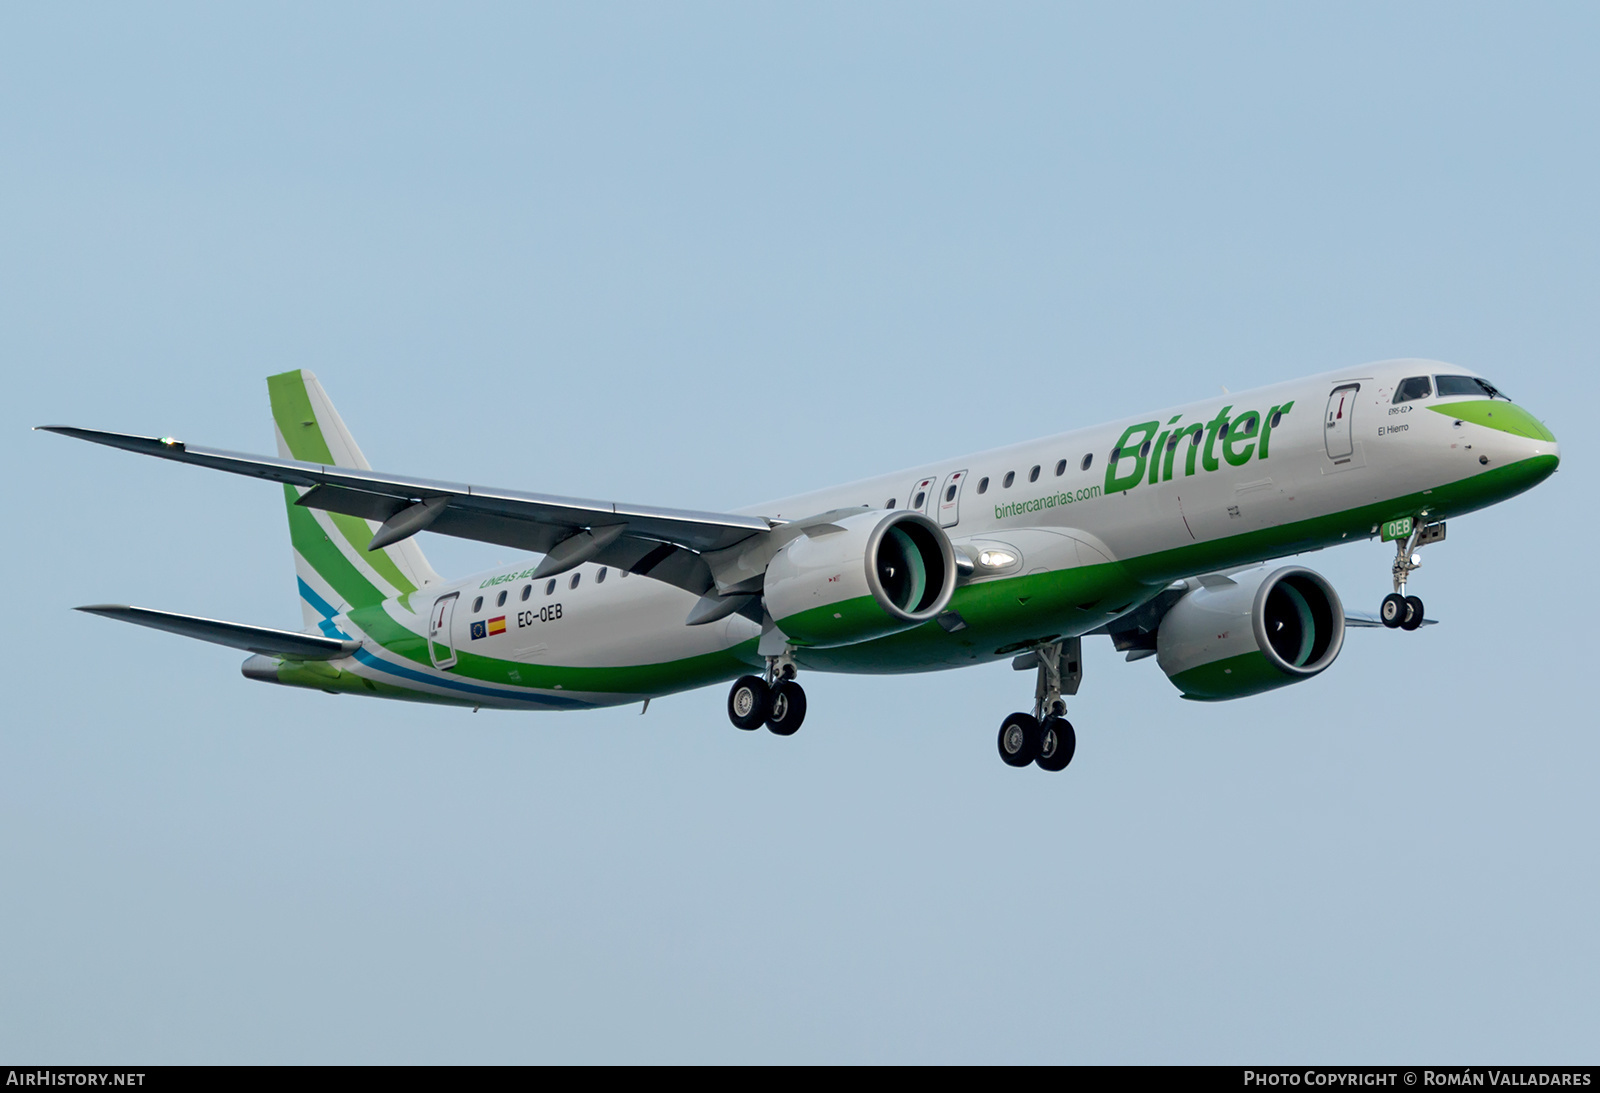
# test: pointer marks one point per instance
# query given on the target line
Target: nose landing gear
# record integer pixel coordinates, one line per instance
(1400, 611)
(774, 700)
(1045, 737)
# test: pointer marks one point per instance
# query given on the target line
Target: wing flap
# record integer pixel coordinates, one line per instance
(287, 644)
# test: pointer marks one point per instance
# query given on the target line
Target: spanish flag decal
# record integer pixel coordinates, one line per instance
(497, 625)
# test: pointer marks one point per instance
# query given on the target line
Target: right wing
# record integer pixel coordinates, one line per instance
(655, 542)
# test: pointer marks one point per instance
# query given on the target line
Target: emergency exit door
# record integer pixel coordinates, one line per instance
(921, 495)
(950, 499)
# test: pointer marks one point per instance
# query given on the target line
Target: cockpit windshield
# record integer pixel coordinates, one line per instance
(1467, 385)
(1414, 387)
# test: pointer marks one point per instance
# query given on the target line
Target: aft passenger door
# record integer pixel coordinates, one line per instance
(441, 645)
(950, 499)
(1336, 431)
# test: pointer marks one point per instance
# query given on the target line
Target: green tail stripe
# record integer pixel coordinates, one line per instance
(358, 533)
(297, 421)
(324, 556)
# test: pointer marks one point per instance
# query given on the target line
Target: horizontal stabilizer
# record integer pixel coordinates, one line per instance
(287, 644)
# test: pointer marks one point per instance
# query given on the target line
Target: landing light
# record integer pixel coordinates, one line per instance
(996, 559)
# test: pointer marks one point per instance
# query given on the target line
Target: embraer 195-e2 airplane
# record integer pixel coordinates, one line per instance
(1145, 530)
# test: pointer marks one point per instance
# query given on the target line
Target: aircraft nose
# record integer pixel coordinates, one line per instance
(1533, 435)
(1504, 417)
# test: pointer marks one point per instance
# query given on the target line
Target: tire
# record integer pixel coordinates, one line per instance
(788, 708)
(1019, 739)
(1414, 611)
(1393, 611)
(748, 702)
(1057, 744)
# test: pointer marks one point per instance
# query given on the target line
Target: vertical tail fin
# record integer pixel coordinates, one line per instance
(330, 549)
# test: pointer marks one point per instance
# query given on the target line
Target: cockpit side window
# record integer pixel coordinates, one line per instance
(1471, 386)
(1413, 388)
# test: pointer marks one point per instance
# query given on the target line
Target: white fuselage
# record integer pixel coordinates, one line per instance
(1337, 447)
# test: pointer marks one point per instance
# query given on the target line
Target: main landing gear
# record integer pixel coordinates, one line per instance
(1400, 611)
(1045, 737)
(776, 700)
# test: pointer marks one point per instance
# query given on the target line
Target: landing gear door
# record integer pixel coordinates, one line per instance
(1336, 431)
(950, 499)
(441, 644)
(922, 495)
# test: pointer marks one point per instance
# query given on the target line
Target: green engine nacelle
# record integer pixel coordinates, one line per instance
(1258, 633)
(859, 578)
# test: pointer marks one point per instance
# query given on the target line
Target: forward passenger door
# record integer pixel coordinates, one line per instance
(1341, 411)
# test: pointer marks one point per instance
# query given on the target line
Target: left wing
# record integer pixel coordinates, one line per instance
(656, 542)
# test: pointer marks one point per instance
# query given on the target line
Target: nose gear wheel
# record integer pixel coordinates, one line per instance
(1398, 610)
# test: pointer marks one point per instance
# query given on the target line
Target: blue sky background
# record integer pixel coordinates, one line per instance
(702, 255)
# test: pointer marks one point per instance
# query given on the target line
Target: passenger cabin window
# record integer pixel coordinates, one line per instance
(500, 600)
(477, 605)
(574, 582)
(1033, 475)
(1088, 459)
(1413, 388)
(950, 494)
(1277, 419)
(983, 485)
(1453, 386)
(550, 588)
(1061, 468)
(1144, 449)
(921, 497)
(599, 578)
(527, 590)
(1011, 476)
